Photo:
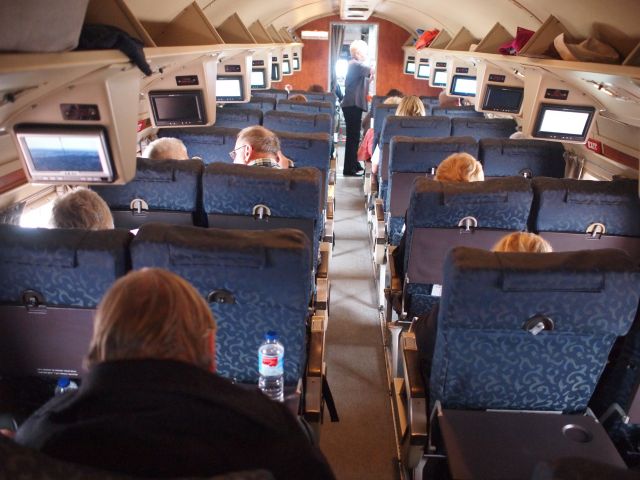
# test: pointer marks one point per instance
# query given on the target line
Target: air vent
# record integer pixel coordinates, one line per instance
(357, 9)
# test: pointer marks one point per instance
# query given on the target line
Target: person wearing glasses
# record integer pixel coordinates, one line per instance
(257, 146)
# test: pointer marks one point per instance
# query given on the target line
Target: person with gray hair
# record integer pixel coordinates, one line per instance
(257, 146)
(166, 148)
(81, 208)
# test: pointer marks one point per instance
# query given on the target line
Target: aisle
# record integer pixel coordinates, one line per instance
(361, 445)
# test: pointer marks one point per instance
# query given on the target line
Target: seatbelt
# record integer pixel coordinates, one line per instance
(328, 400)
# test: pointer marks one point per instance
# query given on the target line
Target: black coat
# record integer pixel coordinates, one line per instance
(162, 418)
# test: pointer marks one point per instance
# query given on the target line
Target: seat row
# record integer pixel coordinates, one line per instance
(267, 104)
(294, 119)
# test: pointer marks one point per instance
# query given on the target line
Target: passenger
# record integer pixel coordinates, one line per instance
(365, 151)
(354, 103)
(166, 148)
(298, 98)
(460, 167)
(259, 146)
(522, 242)
(315, 88)
(446, 101)
(152, 405)
(81, 208)
(394, 92)
(409, 106)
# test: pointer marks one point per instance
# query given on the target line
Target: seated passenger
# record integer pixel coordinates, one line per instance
(446, 101)
(522, 242)
(365, 150)
(260, 147)
(410, 106)
(315, 88)
(460, 167)
(81, 208)
(166, 148)
(151, 404)
(298, 98)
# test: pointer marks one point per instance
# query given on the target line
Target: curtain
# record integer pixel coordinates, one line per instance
(337, 37)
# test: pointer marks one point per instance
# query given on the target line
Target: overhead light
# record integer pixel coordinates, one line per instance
(360, 9)
(315, 35)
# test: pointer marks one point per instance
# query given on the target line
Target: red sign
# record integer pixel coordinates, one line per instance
(594, 145)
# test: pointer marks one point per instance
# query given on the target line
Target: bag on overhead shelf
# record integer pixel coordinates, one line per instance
(514, 46)
(426, 38)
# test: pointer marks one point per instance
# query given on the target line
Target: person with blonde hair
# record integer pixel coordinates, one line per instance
(166, 148)
(81, 208)
(522, 242)
(354, 103)
(151, 404)
(298, 98)
(460, 167)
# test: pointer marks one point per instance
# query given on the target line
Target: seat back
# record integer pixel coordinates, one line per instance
(381, 112)
(238, 117)
(502, 157)
(430, 101)
(264, 104)
(162, 191)
(51, 281)
(462, 111)
(479, 128)
(254, 281)
(276, 93)
(255, 198)
(298, 122)
(316, 96)
(411, 158)
(491, 351)
(305, 107)
(211, 144)
(579, 214)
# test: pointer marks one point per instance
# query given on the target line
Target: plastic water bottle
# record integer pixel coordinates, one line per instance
(271, 367)
(65, 384)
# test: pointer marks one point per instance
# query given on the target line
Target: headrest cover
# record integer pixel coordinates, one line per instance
(415, 127)
(413, 154)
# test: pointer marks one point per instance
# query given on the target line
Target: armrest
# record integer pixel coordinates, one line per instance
(315, 370)
(321, 303)
(396, 281)
(325, 255)
(367, 178)
(327, 236)
(413, 379)
(380, 233)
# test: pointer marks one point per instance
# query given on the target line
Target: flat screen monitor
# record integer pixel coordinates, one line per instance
(463, 85)
(498, 98)
(563, 122)
(68, 154)
(440, 78)
(286, 67)
(258, 78)
(423, 70)
(296, 63)
(229, 88)
(275, 72)
(177, 107)
(410, 67)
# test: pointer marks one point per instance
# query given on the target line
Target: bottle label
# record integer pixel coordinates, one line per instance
(270, 365)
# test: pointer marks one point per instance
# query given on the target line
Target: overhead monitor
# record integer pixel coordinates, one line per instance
(229, 88)
(296, 63)
(498, 98)
(68, 154)
(563, 122)
(439, 78)
(463, 85)
(423, 70)
(177, 107)
(275, 71)
(286, 67)
(410, 67)
(258, 78)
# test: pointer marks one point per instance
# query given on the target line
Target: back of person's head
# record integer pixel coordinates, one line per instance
(447, 101)
(166, 148)
(299, 98)
(460, 167)
(153, 314)
(522, 242)
(315, 88)
(359, 49)
(81, 208)
(261, 140)
(394, 92)
(411, 106)
(392, 100)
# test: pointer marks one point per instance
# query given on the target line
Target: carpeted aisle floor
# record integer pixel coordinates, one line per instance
(361, 445)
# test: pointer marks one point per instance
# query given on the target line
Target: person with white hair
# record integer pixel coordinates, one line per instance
(166, 148)
(354, 103)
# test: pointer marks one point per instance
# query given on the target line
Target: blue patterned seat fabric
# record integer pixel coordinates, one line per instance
(431, 101)
(380, 113)
(276, 93)
(267, 273)
(420, 156)
(237, 117)
(479, 128)
(305, 107)
(264, 104)
(211, 144)
(505, 157)
(316, 96)
(69, 267)
(497, 204)
(567, 205)
(298, 122)
(485, 359)
(467, 111)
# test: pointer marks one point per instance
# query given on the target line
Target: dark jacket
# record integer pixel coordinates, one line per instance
(162, 418)
(356, 86)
